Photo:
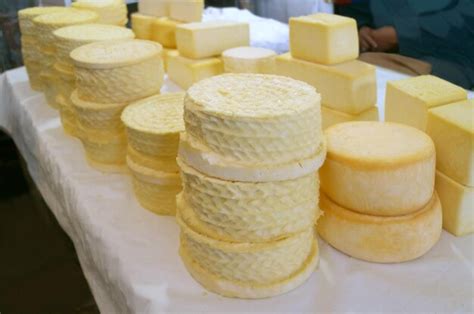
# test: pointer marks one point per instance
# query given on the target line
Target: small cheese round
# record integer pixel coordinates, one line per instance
(376, 168)
(249, 60)
(26, 16)
(381, 239)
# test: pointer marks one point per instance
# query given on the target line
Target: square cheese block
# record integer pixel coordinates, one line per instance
(163, 30)
(452, 129)
(324, 38)
(348, 87)
(458, 205)
(209, 39)
(141, 25)
(187, 10)
(407, 101)
(154, 7)
(331, 117)
(185, 72)
(166, 54)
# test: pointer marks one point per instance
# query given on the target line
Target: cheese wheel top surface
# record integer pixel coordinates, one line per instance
(248, 53)
(377, 144)
(35, 11)
(67, 17)
(159, 114)
(109, 54)
(94, 32)
(97, 3)
(252, 96)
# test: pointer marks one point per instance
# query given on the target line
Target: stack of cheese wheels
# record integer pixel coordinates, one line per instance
(67, 39)
(109, 76)
(248, 159)
(153, 126)
(377, 192)
(324, 51)
(249, 60)
(45, 25)
(112, 12)
(32, 56)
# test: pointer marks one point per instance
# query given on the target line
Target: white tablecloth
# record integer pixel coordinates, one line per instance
(129, 255)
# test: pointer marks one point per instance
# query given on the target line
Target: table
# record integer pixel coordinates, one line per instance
(130, 256)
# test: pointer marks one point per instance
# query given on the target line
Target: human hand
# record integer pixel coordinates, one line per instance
(385, 38)
(366, 40)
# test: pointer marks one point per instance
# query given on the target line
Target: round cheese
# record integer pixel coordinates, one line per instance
(26, 16)
(118, 71)
(381, 239)
(376, 168)
(253, 121)
(249, 60)
(110, 11)
(66, 115)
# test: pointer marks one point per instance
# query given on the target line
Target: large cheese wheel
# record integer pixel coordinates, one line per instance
(376, 168)
(381, 239)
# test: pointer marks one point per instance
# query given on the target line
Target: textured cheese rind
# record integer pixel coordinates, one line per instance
(381, 239)
(118, 71)
(452, 129)
(349, 87)
(254, 119)
(457, 201)
(33, 70)
(249, 60)
(208, 162)
(186, 10)
(185, 72)
(234, 289)
(72, 37)
(163, 30)
(324, 38)
(106, 154)
(26, 16)
(49, 82)
(383, 169)
(209, 39)
(68, 119)
(110, 12)
(153, 124)
(155, 190)
(407, 101)
(165, 164)
(258, 263)
(141, 25)
(331, 117)
(247, 211)
(155, 8)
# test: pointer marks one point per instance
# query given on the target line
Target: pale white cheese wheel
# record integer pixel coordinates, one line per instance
(376, 168)
(381, 239)
(249, 60)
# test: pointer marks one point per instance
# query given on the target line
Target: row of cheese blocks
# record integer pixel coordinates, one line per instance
(323, 52)
(442, 110)
(377, 189)
(248, 157)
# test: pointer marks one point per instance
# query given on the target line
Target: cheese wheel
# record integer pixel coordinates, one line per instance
(381, 239)
(252, 121)
(249, 60)
(33, 70)
(66, 115)
(251, 264)
(383, 169)
(164, 164)
(72, 37)
(49, 83)
(118, 71)
(141, 25)
(26, 16)
(248, 211)
(109, 11)
(155, 190)
(153, 125)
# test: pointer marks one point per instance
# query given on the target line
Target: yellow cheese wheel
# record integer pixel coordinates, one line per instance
(376, 168)
(381, 239)
(26, 16)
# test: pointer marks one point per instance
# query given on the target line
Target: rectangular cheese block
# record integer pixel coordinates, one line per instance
(185, 72)
(348, 87)
(457, 202)
(452, 129)
(163, 30)
(209, 39)
(407, 101)
(324, 38)
(141, 25)
(187, 10)
(331, 117)
(154, 7)
(166, 54)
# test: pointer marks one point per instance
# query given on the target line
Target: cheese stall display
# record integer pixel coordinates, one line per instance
(249, 60)
(66, 40)
(153, 126)
(407, 101)
(249, 233)
(377, 186)
(45, 25)
(112, 12)
(109, 76)
(323, 52)
(452, 129)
